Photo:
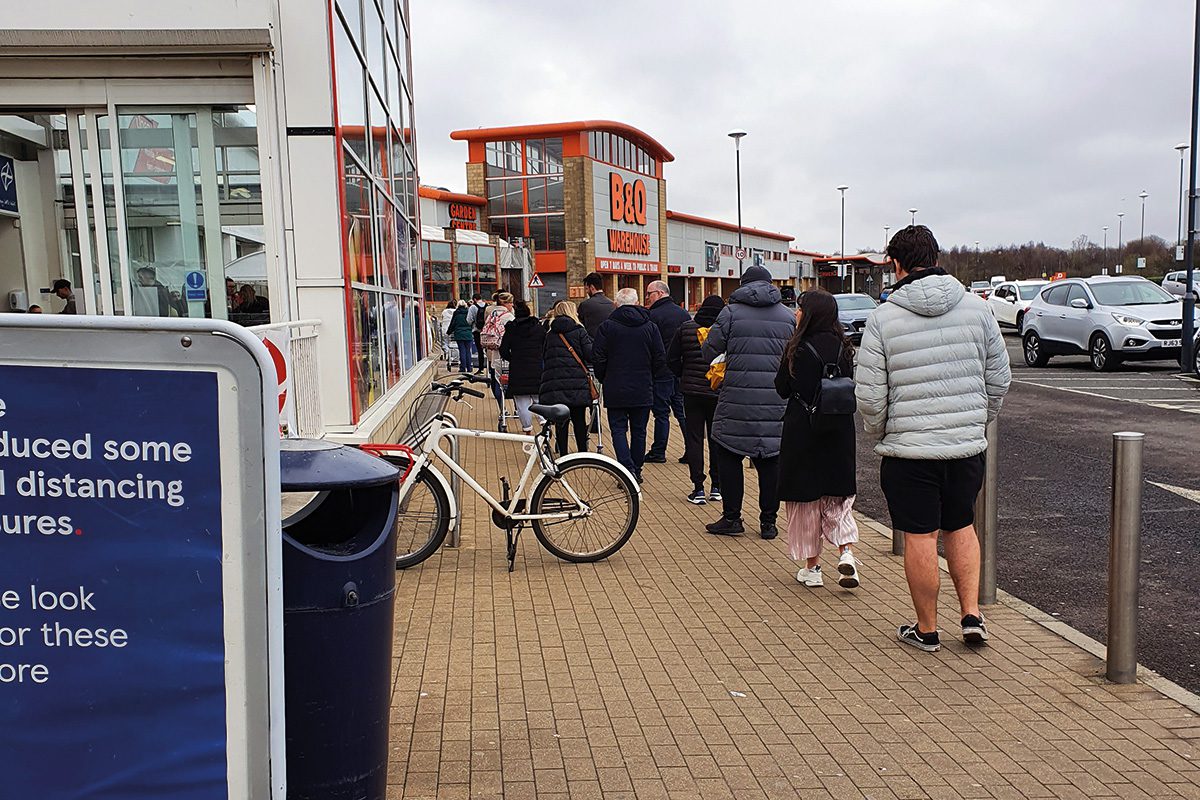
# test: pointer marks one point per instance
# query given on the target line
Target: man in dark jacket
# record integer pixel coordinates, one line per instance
(627, 354)
(668, 316)
(685, 359)
(521, 347)
(597, 307)
(752, 332)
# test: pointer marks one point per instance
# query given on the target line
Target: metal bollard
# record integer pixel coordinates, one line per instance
(1124, 556)
(987, 517)
(897, 543)
(456, 489)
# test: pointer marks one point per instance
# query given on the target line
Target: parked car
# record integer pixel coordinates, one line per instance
(853, 310)
(982, 288)
(1111, 319)
(1174, 283)
(997, 280)
(1011, 300)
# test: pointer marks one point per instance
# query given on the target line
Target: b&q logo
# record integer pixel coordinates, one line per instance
(627, 201)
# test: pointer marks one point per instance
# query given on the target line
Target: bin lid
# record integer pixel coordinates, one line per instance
(309, 465)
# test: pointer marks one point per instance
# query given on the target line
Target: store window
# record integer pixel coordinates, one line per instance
(379, 180)
(620, 152)
(525, 191)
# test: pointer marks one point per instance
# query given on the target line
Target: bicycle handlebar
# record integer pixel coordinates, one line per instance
(464, 390)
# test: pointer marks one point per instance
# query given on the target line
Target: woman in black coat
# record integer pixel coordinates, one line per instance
(686, 360)
(817, 459)
(521, 347)
(564, 380)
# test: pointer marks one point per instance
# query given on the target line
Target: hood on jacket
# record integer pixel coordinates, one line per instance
(563, 324)
(757, 293)
(630, 316)
(706, 315)
(530, 321)
(930, 295)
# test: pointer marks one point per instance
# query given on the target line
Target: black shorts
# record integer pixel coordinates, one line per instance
(925, 496)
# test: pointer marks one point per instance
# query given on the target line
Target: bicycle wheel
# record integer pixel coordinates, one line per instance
(613, 507)
(422, 521)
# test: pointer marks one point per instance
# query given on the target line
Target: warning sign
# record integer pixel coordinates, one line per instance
(536, 282)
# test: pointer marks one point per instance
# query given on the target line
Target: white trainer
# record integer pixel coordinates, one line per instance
(848, 571)
(811, 577)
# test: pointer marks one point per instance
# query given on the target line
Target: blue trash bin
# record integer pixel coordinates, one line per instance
(339, 584)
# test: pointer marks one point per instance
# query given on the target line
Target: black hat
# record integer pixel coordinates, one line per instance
(709, 309)
(755, 273)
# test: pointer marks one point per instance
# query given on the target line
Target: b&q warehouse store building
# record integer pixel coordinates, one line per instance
(583, 197)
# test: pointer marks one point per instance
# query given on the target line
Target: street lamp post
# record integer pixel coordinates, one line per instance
(1187, 354)
(886, 229)
(1104, 262)
(913, 211)
(1120, 235)
(1182, 147)
(845, 266)
(736, 134)
(1143, 195)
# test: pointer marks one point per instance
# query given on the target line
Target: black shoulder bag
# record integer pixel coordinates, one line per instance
(835, 392)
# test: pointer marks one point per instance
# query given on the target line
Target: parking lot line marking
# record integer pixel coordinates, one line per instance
(1139, 401)
(1190, 494)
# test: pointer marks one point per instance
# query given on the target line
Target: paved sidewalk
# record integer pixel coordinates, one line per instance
(689, 665)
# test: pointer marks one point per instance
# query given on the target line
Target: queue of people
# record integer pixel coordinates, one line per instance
(756, 381)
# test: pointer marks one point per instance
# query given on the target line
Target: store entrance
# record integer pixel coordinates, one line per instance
(158, 209)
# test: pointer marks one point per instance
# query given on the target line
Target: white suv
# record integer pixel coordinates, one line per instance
(1011, 300)
(1111, 319)
(1174, 283)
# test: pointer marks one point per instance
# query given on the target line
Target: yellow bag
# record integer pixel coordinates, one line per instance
(716, 370)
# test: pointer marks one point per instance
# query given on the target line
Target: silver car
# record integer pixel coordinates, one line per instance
(853, 310)
(1174, 282)
(1110, 319)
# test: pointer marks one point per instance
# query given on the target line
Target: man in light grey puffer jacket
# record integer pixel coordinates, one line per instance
(932, 372)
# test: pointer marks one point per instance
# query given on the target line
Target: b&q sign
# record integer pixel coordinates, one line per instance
(627, 201)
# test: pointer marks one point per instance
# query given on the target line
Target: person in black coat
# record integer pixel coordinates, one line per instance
(522, 344)
(817, 460)
(668, 316)
(564, 379)
(685, 359)
(627, 354)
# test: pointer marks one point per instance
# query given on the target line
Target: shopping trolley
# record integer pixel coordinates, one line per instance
(597, 424)
(506, 408)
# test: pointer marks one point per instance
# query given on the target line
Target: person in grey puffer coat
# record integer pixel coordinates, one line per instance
(752, 332)
(932, 373)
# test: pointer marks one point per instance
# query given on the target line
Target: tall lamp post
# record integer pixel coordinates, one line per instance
(1182, 147)
(736, 134)
(913, 211)
(1104, 262)
(886, 229)
(1120, 235)
(1188, 354)
(1143, 195)
(845, 266)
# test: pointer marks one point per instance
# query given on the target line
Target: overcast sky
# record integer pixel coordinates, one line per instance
(1002, 121)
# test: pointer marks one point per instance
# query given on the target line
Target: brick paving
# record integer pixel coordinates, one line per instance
(690, 666)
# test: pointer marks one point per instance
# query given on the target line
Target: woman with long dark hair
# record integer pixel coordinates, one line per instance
(566, 380)
(817, 459)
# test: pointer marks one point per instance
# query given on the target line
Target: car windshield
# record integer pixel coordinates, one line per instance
(1131, 293)
(980, 285)
(1030, 292)
(854, 302)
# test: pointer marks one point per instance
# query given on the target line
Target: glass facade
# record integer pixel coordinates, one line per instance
(380, 232)
(620, 152)
(459, 271)
(525, 191)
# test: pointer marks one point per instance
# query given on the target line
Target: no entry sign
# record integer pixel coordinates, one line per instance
(138, 561)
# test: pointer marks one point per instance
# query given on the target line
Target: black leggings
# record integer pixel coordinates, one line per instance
(579, 420)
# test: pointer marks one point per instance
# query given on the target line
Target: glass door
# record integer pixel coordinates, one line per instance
(167, 211)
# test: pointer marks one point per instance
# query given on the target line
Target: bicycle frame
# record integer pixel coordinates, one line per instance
(439, 430)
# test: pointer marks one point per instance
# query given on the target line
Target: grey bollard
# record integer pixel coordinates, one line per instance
(987, 517)
(897, 543)
(1124, 557)
(455, 537)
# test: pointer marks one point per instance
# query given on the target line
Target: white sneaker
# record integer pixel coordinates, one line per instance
(811, 577)
(848, 569)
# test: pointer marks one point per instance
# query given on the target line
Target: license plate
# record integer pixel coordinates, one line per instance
(1172, 343)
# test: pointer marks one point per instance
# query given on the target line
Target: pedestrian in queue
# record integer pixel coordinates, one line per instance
(699, 398)
(444, 320)
(477, 322)
(460, 332)
(817, 455)
(496, 317)
(566, 378)
(668, 400)
(932, 373)
(751, 332)
(597, 307)
(521, 346)
(627, 354)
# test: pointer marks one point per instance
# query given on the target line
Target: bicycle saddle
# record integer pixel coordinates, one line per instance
(554, 413)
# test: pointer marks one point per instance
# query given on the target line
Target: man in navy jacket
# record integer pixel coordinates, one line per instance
(627, 354)
(668, 316)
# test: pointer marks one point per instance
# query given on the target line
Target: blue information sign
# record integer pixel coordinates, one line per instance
(194, 286)
(8, 185)
(112, 650)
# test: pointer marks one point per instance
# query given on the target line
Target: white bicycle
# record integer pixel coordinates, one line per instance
(583, 507)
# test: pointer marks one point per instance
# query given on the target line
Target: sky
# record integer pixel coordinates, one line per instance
(1001, 121)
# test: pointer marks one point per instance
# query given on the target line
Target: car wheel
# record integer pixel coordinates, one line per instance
(1196, 357)
(1035, 353)
(1021, 322)
(1101, 353)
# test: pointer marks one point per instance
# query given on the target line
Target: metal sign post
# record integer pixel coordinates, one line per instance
(140, 560)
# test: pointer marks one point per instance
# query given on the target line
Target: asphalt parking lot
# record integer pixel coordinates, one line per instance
(1055, 488)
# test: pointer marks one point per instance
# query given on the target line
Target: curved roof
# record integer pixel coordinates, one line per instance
(641, 138)
(434, 193)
